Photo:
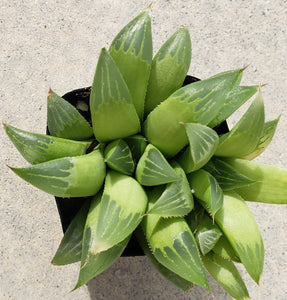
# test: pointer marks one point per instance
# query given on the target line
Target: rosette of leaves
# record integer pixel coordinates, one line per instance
(159, 168)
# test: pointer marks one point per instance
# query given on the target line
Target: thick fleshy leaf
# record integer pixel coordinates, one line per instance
(227, 177)
(245, 135)
(207, 235)
(78, 176)
(198, 102)
(118, 213)
(239, 226)
(265, 139)
(70, 248)
(169, 68)
(132, 51)
(137, 144)
(270, 182)
(225, 250)
(65, 121)
(118, 156)
(94, 264)
(174, 246)
(176, 200)
(37, 148)
(235, 99)
(113, 113)
(203, 142)
(226, 274)
(207, 190)
(167, 273)
(154, 169)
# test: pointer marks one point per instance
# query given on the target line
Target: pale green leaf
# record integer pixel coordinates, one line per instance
(78, 176)
(132, 51)
(65, 121)
(198, 102)
(113, 113)
(203, 142)
(239, 226)
(176, 199)
(245, 135)
(154, 169)
(169, 68)
(37, 148)
(226, 274)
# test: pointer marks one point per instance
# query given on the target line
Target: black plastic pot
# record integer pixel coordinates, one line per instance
(68, 207)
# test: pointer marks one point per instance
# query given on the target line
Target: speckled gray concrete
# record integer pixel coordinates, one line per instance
(49, 43)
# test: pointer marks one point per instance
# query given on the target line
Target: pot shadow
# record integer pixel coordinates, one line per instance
(136, 278)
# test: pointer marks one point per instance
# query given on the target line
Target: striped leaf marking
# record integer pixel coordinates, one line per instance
(94, 264)
(154, 169)
(239, 226)
(203, 142)
(207, 235)
(37, 148)
(132, 51)
(119, 157)
(198, 102)
(169, 68)
(113, 113)
(176, 199)
(207, 190)
(119, 212)
(270, 182)
(265, 139)
(226, 274)
(65, 121)
(227, 177)
(180, 282)
(234, 100)
(245, 135)
(225, 250)
(137, 144)
(174, 246)
(70, 248)
(78, 176)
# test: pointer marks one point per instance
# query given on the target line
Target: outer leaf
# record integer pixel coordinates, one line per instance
(37, 148)
(265, 139)
(174, 246)
(226, 274)
(207, 235)
(78, 176)
(169, 68)
(198, 102)
(65, 121)
(120, 211)
(239, 226)
(153, 168)
(227, 177)
(203, 142)
(70, 248)
(235, 99)
(167, 273)
(225, 250)
(132, 51)
(244, 137)
(137, 144)
(119, 157)
(176, 200)
(207, 190)
(270, 185)
(113, 113)
(94, 264)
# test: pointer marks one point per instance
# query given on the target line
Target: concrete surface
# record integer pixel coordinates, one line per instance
(57, 43)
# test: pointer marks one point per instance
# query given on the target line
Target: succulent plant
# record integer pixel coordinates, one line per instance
(152, 162)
